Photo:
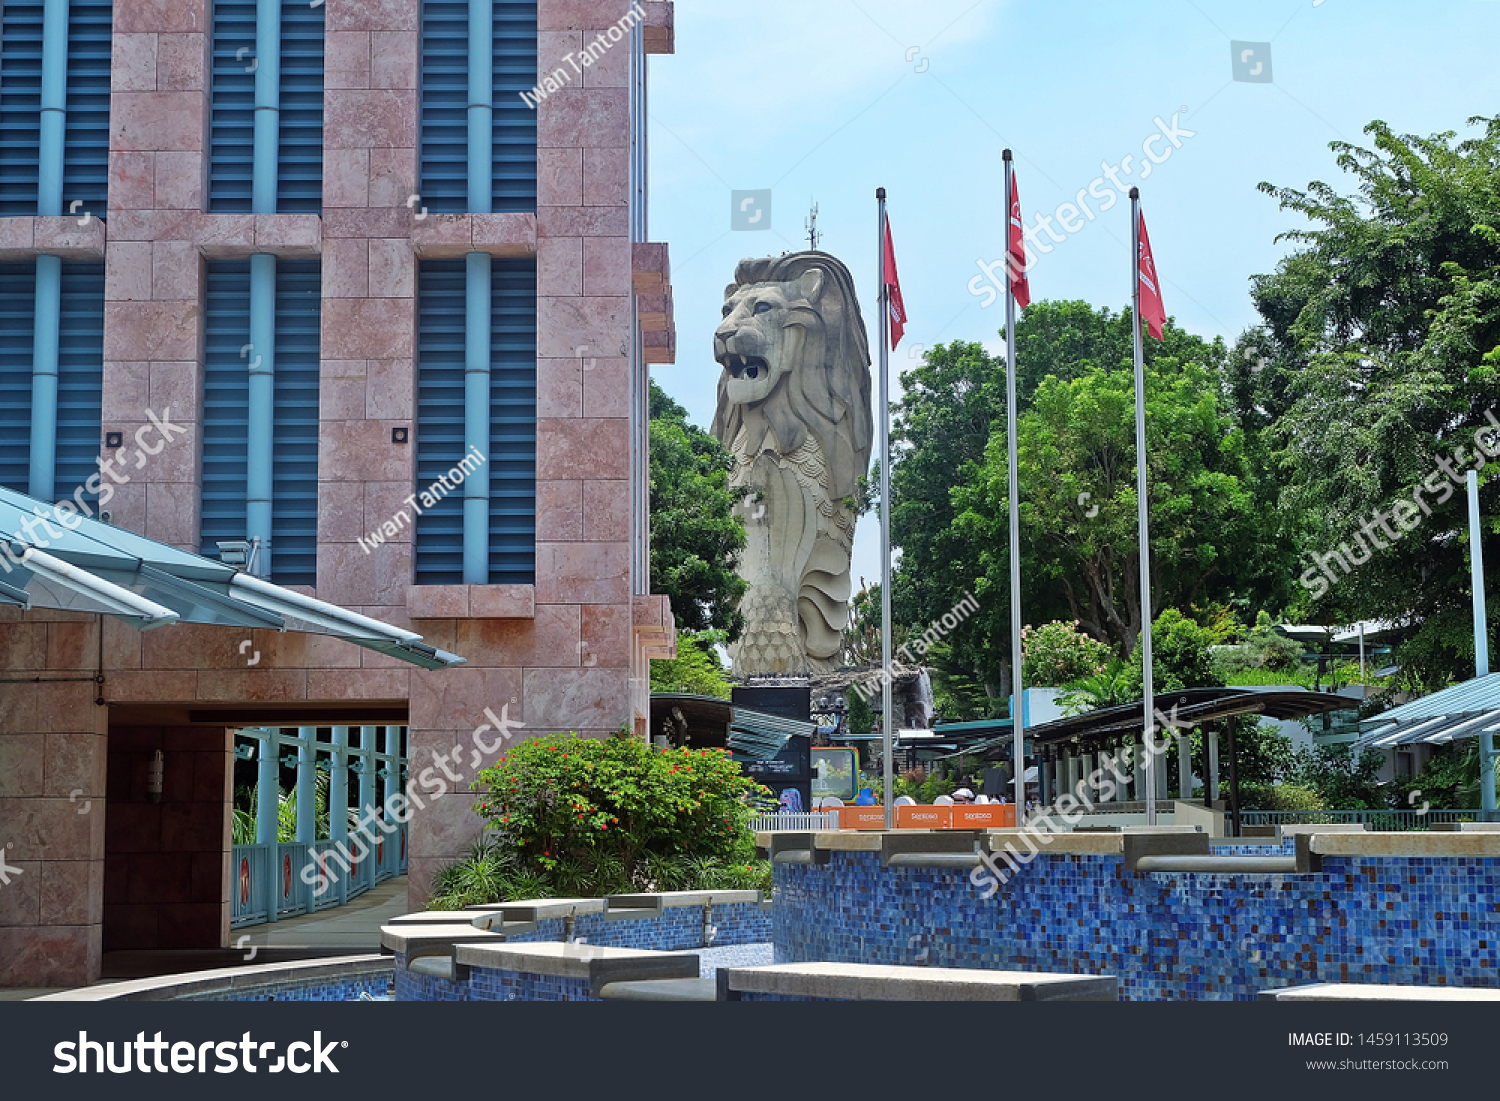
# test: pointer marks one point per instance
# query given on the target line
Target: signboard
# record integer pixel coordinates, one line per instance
(861, 818)
(835, 771)
(983, 816)
(924, 818)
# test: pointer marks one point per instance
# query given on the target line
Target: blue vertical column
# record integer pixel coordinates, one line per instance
(481, 140)
(260, 412)
(392, 789)
(367, 797)
(267, 818)
(338, 800)
(44, 346)
(307, 806)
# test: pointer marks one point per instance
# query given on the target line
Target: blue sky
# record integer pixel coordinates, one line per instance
(828, 99)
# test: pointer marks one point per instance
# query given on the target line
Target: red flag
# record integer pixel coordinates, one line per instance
(1020, 286)
(893, 287)
(1152, 310)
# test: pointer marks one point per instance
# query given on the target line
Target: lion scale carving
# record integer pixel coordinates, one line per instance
(794, 411)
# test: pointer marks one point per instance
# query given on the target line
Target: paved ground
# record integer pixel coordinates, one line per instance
(350, 929)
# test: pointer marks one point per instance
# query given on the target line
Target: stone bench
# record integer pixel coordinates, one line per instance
(1379, 992)
(865, 982)
(427, 949)
(553, 971)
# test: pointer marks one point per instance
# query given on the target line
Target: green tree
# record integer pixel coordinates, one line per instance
(941, 428)
(696, 539)
(1381, 352)
(695, 669)
(1210, 539)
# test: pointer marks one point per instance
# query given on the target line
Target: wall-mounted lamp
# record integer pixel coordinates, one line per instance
(400, 435)
(244, 752)
(114, 439)
(154, 777)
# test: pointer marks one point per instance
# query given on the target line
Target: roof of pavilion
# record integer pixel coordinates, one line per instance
(1462, 711)
(1188, 707)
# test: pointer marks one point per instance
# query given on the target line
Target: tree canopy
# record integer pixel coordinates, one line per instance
(696, 539)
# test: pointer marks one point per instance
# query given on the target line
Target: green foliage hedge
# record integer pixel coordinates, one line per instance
(568, 816)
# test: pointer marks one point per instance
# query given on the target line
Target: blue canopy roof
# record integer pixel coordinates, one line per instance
(57, 558)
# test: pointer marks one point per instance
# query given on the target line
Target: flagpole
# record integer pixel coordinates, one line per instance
(887, 741)
(1018, 706)
(1140, 504)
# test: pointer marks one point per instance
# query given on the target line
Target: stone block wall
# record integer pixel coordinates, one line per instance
(567, 653)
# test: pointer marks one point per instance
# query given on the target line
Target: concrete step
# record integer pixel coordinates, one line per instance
(661, 990)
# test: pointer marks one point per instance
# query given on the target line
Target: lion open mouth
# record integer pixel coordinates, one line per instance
(750, 367)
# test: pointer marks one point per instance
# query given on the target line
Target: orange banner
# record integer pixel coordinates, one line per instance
(924, 818)
(983, 816)
(861, 818)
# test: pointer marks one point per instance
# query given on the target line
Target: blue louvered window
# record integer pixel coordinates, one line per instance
(86, 129)
(17, 312)
(440, 419)
(444, 106)
(80, 375)
(226, 391)
(232, 109)
(80, 378)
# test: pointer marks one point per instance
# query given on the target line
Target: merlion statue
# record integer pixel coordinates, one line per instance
(794, 411)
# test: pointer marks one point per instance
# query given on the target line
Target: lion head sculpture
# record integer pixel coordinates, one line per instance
(794, 411)
(797, 361)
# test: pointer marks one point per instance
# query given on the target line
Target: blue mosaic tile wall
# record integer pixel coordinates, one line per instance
(678, 928)
(1168, 936)
(417, 987)
(521, 986)
(326, 989)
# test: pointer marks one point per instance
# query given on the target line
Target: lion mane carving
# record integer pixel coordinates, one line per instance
(794, 411)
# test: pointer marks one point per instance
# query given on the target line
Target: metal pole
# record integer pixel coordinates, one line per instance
(477, 276)
(887, 739)
(1361, 653)
(41, 474)
(1140, 498)
(1481, 648)
(1018, 704)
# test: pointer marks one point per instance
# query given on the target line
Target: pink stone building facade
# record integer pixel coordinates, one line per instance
(569, 652)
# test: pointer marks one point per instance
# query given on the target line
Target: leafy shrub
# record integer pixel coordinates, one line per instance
(573, 817)
(1056, 653)
(1282, 797)
(1181, 656)
(1107, 688)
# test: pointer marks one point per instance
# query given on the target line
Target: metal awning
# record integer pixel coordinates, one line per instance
(57, 559)
(716, 723)
(1462, 711)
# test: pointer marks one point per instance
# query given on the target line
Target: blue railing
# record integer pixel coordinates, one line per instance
(1414, 819)
(342, 870)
